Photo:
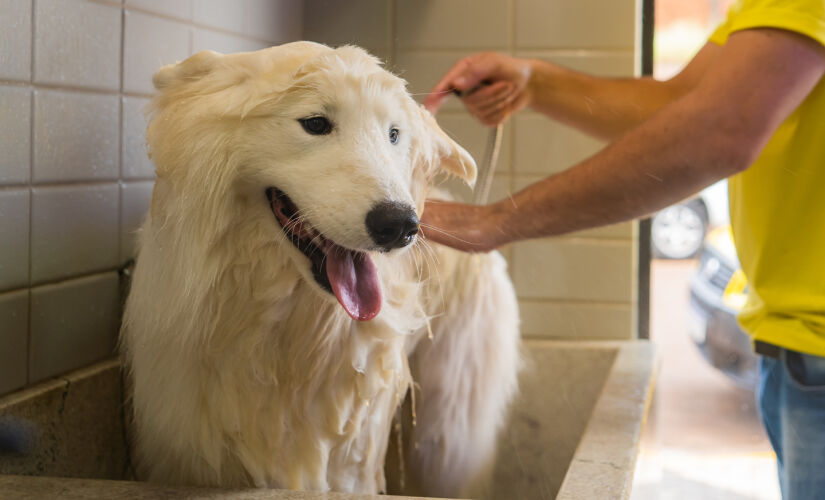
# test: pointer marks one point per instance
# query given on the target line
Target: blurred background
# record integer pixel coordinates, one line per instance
(704, 437)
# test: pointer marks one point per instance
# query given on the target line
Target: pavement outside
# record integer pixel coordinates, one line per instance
(703, 439)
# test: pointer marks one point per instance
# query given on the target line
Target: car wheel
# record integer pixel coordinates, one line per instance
(677, 232)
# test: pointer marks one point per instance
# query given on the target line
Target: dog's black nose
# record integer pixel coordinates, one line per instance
(392, 224)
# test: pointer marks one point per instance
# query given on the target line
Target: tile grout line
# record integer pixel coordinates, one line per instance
(192, 24)
(71, 88)
(74, 277)
(74, 183)
(121, 134)
(31, 196)
(511, 151)
(391, 29)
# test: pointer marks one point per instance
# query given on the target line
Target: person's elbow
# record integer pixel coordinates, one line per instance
(737, 145)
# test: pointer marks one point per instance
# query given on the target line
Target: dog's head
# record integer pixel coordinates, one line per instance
(319, 148)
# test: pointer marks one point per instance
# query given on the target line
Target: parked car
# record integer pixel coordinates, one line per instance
(717, 293)
(677, 232)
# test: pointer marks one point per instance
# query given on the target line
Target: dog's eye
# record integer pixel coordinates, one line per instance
(316, 125)
(394, 135)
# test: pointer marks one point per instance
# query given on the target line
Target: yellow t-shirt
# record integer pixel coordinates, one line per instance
(778, 205)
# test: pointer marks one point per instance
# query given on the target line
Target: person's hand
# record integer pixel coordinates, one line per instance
(470, 228)
(494, 86)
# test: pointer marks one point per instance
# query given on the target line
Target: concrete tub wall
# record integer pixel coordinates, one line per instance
(572, 433)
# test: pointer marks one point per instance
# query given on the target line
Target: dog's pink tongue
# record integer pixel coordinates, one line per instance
(354, 282)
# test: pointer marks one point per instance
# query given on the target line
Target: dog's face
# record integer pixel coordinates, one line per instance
(326, 143)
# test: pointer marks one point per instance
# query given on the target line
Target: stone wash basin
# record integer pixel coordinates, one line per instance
(573, 432)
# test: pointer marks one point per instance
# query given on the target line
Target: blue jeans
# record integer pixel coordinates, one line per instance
(791, 397)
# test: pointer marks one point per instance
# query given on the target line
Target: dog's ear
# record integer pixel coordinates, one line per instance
(189, 69)
(453, 158)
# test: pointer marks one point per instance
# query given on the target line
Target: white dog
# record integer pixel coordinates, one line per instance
(288, 178)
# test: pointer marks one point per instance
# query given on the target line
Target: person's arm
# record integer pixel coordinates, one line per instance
(602, 107)
(714, 131)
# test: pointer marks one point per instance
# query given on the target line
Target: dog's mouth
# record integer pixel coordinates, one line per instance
(348, 274)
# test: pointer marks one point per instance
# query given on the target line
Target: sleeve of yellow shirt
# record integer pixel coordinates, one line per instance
(806, 17)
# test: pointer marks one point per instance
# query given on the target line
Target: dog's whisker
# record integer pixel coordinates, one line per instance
(447, 233)
(431, 259)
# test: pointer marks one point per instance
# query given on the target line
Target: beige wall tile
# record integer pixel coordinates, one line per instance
(77, 43)
(542, 146)
(575, 320)
(277, 21)
(575, 23)
(623, 230)
(135, 162)
(14, 339)
(15, 134)
(74, 230)
(135, 198)
(499, 189)
(181, 9)
(229, 16)
(76, 136)
(149, 42)
(361, 22)
(206, 39)
(15, 40)
(73, 324)
(457, 24)
(14, 235)
(573, 270)
(473, 137)
(611, 64)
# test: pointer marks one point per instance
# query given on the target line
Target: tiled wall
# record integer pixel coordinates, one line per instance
(578, 286)
(75, 181)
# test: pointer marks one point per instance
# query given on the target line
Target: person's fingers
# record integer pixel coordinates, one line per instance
(497, 112)
(466, 74)
(446, 85)
(486, 95)
(501, 101)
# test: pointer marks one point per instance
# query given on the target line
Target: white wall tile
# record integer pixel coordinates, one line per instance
(73, 324)
(575, 23)
(277, 21)
(180, 9)
(622, 230)
(15, 39)
(77, 43)
(457, 24)
(573, 270)
(75, 136)
(14, 339)
(14, 235)
(575, 320)
(150, 42)
(359, 22)
(135, 200)
(135, 162)
(230, 16)
(205, 39)
(74, 230)
(543, 146)
(15, 134)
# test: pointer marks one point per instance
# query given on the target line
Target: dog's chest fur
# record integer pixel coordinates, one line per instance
(289, 392)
